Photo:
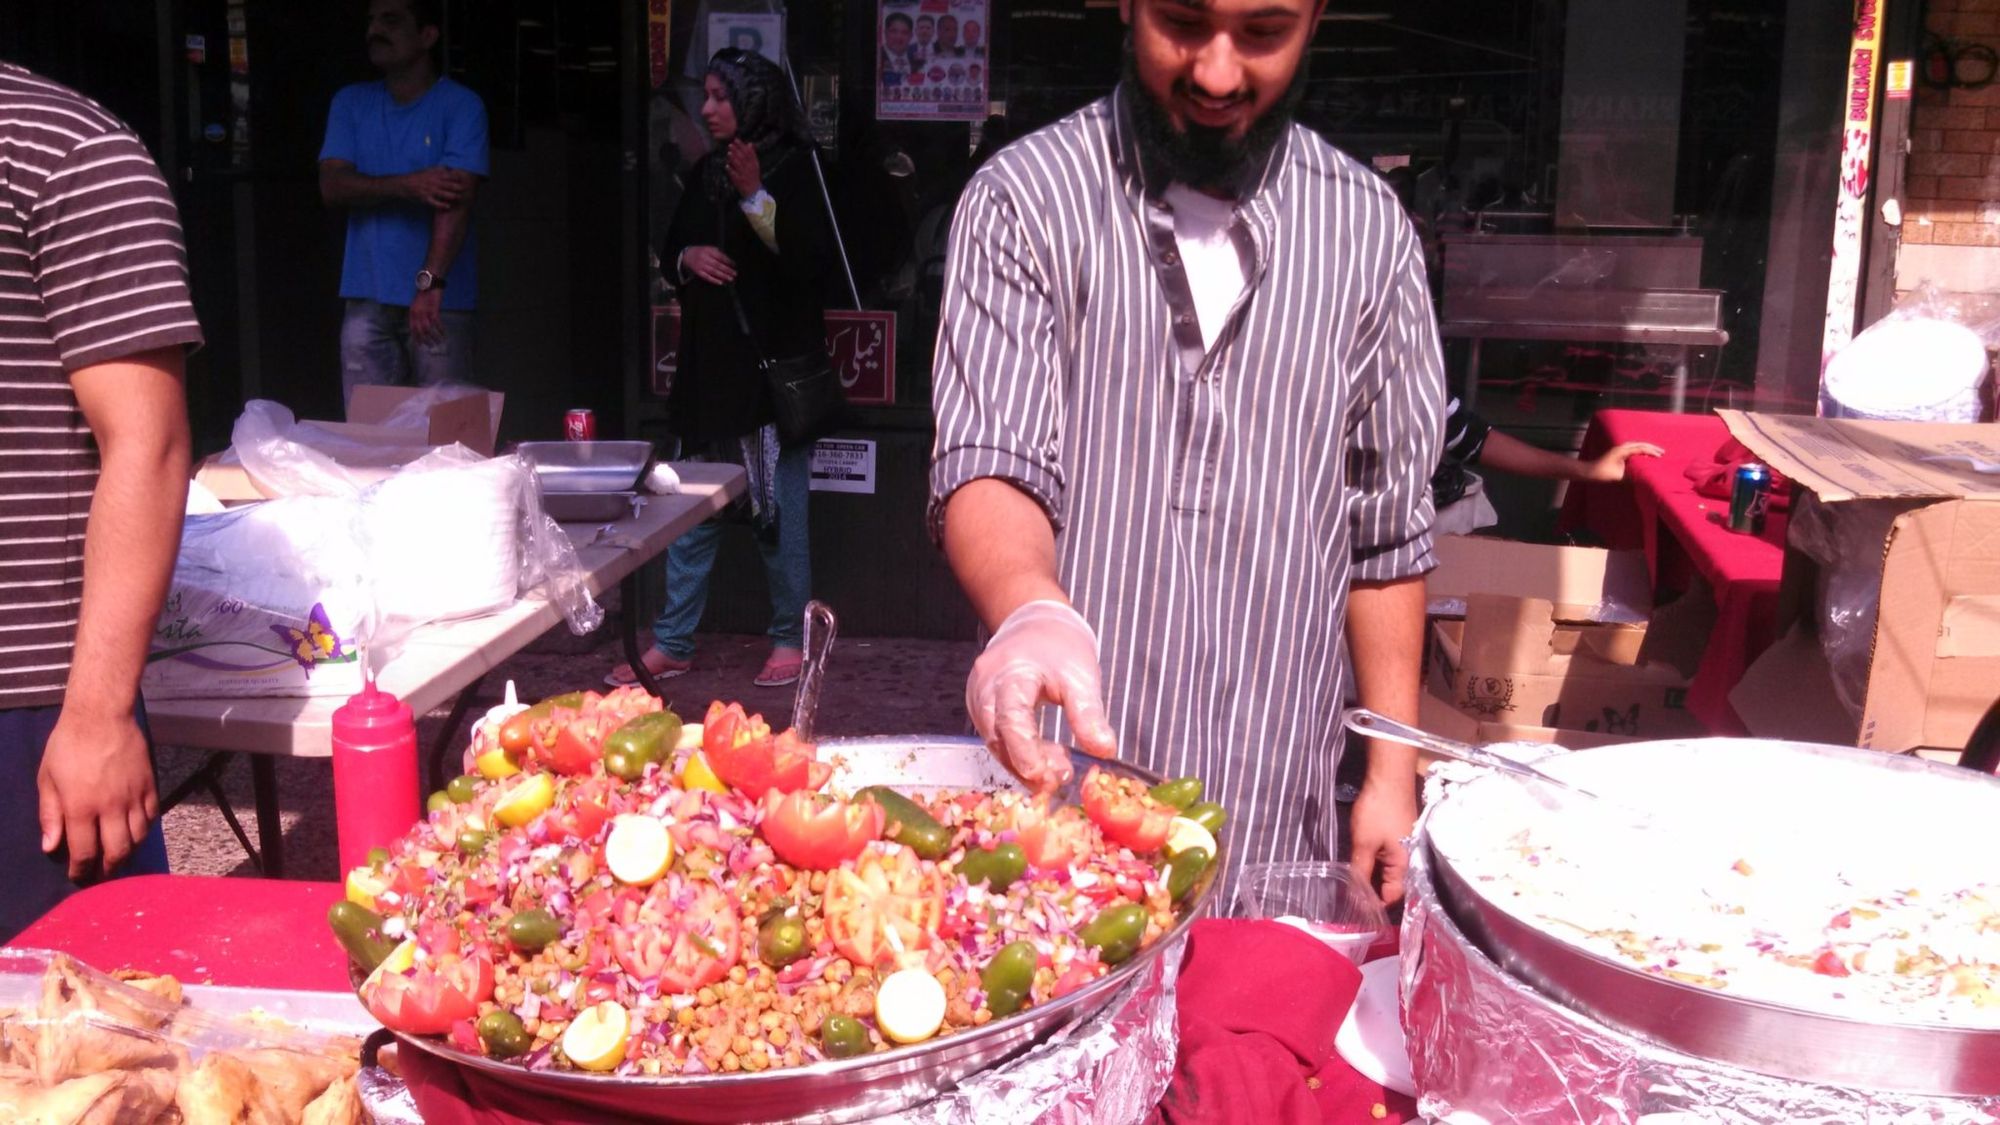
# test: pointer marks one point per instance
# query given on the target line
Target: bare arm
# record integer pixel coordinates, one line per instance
(436, 187)
(1001, 547)
(448, 229)
(1385, 628)
(96, 778)
(1512, 455)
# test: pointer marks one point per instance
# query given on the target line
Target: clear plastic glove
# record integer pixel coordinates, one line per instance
(1045, 652)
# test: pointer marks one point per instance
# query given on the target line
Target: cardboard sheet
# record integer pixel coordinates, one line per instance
(1583, 583)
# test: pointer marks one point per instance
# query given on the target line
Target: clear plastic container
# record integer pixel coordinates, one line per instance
(1323, 899)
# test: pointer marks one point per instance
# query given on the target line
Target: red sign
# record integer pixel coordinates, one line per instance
(860, 345)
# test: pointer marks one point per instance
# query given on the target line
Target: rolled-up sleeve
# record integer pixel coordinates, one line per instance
(995, 379)
(1396, 428)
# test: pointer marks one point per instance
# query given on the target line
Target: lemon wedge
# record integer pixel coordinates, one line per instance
(527, 800)
(697, 774)
(638, 851)
(399, 961)
(909, 1006)
(596, 1038)
(364, 885)
(1184, 834)
(495, 764)
(690, 738)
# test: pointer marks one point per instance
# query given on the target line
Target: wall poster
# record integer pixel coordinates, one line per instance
(930, 60)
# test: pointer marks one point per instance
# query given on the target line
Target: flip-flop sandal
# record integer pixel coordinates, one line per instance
(662, 666)
(779, 671)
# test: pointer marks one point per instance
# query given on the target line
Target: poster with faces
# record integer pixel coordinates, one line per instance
(931, 60)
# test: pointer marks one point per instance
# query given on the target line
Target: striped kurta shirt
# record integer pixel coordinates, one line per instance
(1211, 504)
(92, 269)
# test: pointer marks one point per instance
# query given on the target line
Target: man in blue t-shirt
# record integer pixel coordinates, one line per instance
(405, 156)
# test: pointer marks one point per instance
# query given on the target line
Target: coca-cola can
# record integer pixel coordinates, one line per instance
(580, 425)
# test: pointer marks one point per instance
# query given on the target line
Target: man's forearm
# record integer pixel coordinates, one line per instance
(1385, 630)
(448, 229)
(128, 560)
(345, 187)
(1002, 548)
(1512, 455)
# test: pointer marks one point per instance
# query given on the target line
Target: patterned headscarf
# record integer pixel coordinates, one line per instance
(767, 114)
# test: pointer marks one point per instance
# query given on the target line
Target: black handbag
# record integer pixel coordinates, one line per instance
(805, 393)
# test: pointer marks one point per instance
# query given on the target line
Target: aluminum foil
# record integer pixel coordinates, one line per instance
(1485, 1047)
(1109, 1069)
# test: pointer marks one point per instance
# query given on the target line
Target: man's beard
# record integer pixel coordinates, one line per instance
(1203, 156)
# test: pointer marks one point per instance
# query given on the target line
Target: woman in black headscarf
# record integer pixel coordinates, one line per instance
(749, 248)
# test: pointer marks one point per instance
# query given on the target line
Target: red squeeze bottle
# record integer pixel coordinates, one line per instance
(374, 773)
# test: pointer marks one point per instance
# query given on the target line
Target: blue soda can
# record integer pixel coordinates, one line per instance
(1749, 496)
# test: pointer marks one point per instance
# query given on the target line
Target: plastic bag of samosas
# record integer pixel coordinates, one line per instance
(80, 1047)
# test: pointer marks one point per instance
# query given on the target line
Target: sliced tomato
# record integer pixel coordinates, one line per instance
(888, 889)
(1052, 838)
(684, 933)
(1829, 964)
(748, 758)
(429, 998)
(579, 744)
(629, 702)
(1125, 812)
(817, 832)
(582, 810)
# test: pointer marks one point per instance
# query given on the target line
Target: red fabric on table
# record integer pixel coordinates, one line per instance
(1259, 1004)
(250, 933)
(1684, 534)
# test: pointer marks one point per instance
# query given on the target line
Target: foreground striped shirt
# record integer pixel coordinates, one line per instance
(1210, 505)
(91, 270)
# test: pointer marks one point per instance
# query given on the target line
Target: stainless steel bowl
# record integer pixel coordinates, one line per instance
(588, 466)
(853, 1089)
(1850, 798)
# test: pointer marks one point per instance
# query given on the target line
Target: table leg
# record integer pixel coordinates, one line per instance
(209, 777)
(270, 831)
(434, 778)
(628, 596)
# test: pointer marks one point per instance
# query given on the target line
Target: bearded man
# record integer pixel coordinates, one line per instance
(1189, 398)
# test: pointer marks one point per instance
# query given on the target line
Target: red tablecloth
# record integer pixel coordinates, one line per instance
(254, 933)
(263, 933)
(1684, 534)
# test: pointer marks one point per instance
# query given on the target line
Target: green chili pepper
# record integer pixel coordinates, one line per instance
(531, 930)
(504, 1034)
(644, 740)
(1185, 871)
(1009, 977)
(359, 931)
(1208, 814)
(1180, 792)
(997, 867)
(1116, 932)
(909, 823)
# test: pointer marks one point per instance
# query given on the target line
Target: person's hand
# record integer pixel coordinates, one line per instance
(709, 264)
(426, 323)
(1382, 818)
(741, 164)
(1043, 653)
(96, 790)
(438, 187)
(1610, 468)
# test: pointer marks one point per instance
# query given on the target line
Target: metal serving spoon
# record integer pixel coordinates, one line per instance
(821, 628)
(1362, 721)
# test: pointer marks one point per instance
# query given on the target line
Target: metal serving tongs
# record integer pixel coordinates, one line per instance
(821, 628)
(1364, 722)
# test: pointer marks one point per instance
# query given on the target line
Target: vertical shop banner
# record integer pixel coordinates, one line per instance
(762, 32)
(1850, 214)
(930, 60)
(659, 37)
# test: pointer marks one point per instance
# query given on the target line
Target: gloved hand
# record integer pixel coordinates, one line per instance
(1044, 652)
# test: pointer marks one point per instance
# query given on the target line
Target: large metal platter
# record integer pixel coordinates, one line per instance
(1850, 806)
(853, 1089)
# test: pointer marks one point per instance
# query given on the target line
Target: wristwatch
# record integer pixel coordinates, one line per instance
(426, 280)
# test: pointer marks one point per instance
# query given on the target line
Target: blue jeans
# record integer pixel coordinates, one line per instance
(36, 882)
(787, 551)
(375, 347)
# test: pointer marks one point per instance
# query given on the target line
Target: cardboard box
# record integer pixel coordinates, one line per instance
(1441, 718)
(1583, 583)
(1512, 663)
(1934, 666)
(471, 420)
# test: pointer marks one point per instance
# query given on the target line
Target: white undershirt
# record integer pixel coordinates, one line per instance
(1214, 268)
